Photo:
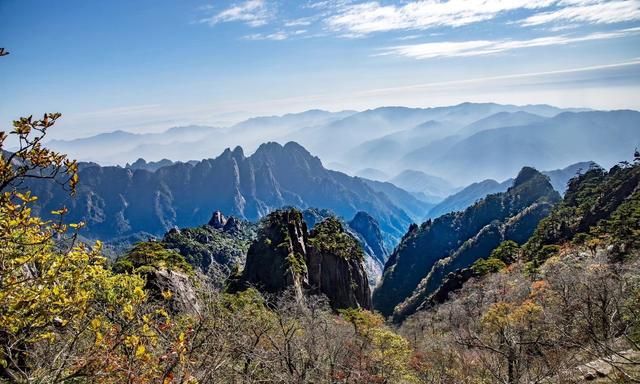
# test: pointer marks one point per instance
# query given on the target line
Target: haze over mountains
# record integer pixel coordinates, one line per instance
(451, 146)
(409, 164)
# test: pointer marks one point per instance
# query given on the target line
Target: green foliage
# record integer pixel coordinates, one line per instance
(507, 252)
(491, 265)
(151, 254)
(623, 227)
(201, 245)
(598, 205)
(329, 237)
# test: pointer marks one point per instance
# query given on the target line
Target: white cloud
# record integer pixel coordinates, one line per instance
(363, 18)
(254, 13)
(586, 11)
(487, 47)
(303, 22)
(369, 17)
(270, 36)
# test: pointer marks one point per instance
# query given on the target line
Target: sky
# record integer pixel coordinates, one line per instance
(147, 65)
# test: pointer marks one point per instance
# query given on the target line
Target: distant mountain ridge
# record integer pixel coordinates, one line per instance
(475, 191)
(570, 137)
(115, 201)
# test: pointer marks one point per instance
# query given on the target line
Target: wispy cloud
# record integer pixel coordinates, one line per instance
(487, 47)
(276, 36)
(363, 18)
(302, 22)
(369, 17)
(254, 13)
(589, 11)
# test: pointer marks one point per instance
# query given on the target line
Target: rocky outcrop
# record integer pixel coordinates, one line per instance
(335, 266)
(175, 288)
(217, 220)
(428, 253)
(366, 230)
(276, 259)
(327, 261)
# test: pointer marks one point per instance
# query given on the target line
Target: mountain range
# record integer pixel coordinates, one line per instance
(459, 144)
(115, 201)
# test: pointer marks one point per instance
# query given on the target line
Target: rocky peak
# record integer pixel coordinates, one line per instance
(218, 220)
(276, 259)
(328, 261)
(526, 174)
(232, 225)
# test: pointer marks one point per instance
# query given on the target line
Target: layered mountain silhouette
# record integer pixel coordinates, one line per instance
(570, 137)
(115, 201)
(462, 144)
(427, 253)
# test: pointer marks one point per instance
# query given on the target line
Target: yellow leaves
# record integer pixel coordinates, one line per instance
(76, 225)
(138, 292)
(95, 324)
(167, 294)
(502, 315)
(26, 197)
(60, 212)
(132, 341)
(497, 316)
(127, 311)
(140, 351)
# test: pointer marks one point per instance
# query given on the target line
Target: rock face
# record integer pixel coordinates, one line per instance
(428, 253)
(183, 295)
(326, 261)
(276, 260)
(366, 230)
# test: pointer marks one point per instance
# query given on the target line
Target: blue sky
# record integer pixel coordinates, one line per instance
(147, 65)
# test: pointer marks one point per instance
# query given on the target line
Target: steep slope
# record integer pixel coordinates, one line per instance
(327, 260)
(474, 192)
(517, 228)
(598, 204)
(113, 201)
(426, 245)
